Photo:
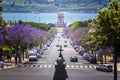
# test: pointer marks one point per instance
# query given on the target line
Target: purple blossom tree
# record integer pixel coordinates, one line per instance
(20, 36)
(80, 36)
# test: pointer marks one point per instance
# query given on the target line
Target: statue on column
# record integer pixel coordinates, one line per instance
(60, 71)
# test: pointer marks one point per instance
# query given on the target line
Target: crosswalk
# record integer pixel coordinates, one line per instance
(52, 66)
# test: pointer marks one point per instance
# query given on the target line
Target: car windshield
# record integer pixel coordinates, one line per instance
(32, 54)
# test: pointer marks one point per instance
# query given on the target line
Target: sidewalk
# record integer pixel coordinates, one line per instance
(118, 66)
(8, 65)
(111, 62)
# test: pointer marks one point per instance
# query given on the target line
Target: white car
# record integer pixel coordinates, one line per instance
(33, 57)
(45, 47)
(105, 67)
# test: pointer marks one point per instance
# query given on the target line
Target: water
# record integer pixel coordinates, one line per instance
(47, 17)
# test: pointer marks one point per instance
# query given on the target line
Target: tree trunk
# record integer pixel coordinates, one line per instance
(115, 65)
(23, 53)
(20, 61)
(92, 52)
(101, 58)
(95, 54)
(1, 54)
(15, 60)
(105, 59)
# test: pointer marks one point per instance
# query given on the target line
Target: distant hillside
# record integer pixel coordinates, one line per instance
(53, 5)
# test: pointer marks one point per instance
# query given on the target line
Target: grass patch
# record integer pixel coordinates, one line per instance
(60, 29)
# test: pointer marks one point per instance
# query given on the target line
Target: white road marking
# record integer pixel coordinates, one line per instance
(52, 66)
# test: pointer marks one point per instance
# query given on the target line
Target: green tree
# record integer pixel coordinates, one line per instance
(92, 41)
(42, 26)
(109, 27)
(0, 12)
(0, 6)
(78, 24)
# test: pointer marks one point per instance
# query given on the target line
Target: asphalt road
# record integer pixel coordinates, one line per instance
(43, 69)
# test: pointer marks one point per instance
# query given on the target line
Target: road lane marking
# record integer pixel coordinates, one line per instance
(81, 66)
(77, 66)
(45, 66)
(94, 66)
(67, 66)
(50, 66)
(86, 66)
(90, 67)
(72, 66)
(41, 66)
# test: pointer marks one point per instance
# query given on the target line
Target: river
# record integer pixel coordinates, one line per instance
(47, 17)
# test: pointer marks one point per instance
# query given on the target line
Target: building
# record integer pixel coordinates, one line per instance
(60, 21)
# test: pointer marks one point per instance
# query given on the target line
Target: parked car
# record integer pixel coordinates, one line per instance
(41, 51)
(45, 47)
(74, 59)
(77, 49)
(48, 43)
(86, 56)
(33, 57)
(75, 46)
(65, 41)
(38, 55)
(92, 60)
(81, 52)
(105, 67)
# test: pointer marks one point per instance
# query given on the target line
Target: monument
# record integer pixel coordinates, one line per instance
(60, 20)
(60, 71)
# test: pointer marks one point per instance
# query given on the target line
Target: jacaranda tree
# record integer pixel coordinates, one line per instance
(20, 36)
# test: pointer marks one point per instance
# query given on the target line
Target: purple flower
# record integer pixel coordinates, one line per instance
(100, 51)
(110, 48)
(19, 34)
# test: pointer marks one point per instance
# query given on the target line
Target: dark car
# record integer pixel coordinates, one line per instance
(81, 52)
(86, 56)
(74, 59)
(65, 45)
(77, 49)
(57, 45)
(92, 60)
(105, 67)
(65, 41)
(48, 44)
